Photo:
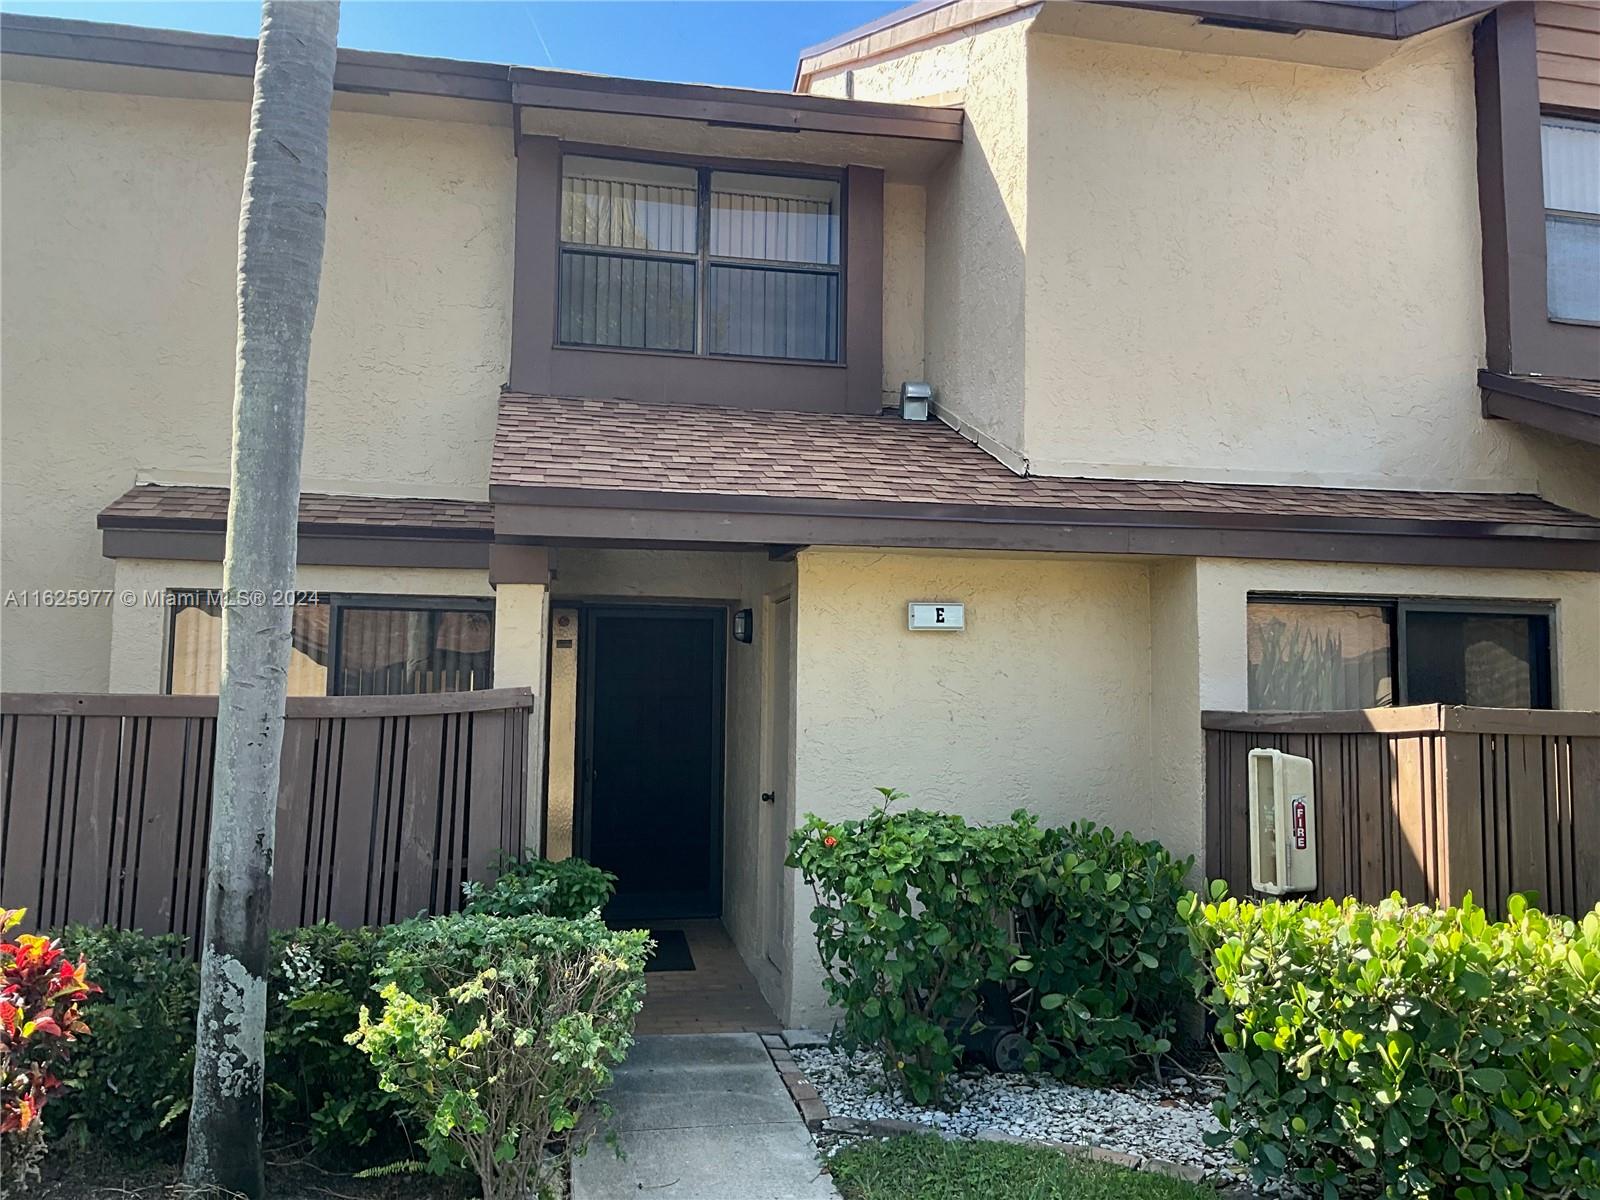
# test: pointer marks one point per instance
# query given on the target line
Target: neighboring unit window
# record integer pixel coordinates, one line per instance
(382, 646)
(1319, 655)
(407, 651)
(195, 665)
(1571, 151)
(690, 260)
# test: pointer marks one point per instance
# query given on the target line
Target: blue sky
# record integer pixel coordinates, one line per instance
(744, 43)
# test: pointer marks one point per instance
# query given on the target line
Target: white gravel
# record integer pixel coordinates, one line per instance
(1166, 1122)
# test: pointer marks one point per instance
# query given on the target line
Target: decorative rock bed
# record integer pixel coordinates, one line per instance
(1149, 1127)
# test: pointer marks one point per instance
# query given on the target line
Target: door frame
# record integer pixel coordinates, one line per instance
(780, 777)
(583, 798)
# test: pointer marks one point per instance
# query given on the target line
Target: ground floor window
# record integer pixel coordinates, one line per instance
(348, 645)
(1315, 654)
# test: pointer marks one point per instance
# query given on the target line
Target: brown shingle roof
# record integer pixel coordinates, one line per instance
(548, 444)
(167, 506)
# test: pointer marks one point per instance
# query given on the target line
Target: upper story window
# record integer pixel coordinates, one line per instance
(692, 260)
(1572, 217)
(1314, 654)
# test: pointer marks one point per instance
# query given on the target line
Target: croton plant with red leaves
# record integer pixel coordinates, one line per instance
(41, 995)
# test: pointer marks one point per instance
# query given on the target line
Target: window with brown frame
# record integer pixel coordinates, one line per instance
(692, 260)
(348, 645)
(1571, 151)
(1321, 654)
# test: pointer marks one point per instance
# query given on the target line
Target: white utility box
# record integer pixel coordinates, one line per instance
(1283, 823)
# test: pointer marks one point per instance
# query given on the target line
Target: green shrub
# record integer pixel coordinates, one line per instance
(918, 912)
(497, 1032)
(128, 1086)
(570, 888)
(1105, 950)
(1417, 1051)
(317, 1084)
(910, 923)
(128, 1083)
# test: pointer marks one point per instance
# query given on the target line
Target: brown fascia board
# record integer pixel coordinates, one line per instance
(362, 71)
(743, 108)
(1392, 21)
(196, 540)
(371, 73)
(1548, 407)
(538, 514)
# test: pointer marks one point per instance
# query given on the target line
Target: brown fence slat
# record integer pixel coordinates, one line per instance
(1432, 802)
(385, 803)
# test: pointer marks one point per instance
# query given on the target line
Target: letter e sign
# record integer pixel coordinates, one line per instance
(935, 614)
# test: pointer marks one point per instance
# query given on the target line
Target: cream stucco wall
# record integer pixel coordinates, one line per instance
(1230, 268)
(977, 206)
(1253, 270)
(119, 243)
(1042, 702)
(905, 210)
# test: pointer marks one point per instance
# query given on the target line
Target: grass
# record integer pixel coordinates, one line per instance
(927, 1167)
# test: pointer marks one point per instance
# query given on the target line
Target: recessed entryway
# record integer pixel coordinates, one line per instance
(650, 756)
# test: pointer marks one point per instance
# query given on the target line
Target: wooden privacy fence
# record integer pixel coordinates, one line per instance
(1430, 801)
(385, 805)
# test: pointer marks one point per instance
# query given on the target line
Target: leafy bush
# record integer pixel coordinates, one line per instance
(918, 913)
(1104, 948)
(570, 888)
(910, 923)
(129, 1084)
(1419, 1051)
(498, 1032)
(41, 997)
(317, 1084)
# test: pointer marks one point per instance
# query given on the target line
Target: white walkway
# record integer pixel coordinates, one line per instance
(702, 1117)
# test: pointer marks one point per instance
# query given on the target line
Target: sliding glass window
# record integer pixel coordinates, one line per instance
(664, 257)
(348, 645)
(1310, 654)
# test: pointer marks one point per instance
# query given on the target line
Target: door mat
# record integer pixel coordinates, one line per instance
(671, 952)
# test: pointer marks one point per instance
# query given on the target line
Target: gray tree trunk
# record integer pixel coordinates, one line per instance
(281, 224)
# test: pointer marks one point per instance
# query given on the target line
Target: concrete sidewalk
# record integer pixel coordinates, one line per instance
(702, 1117)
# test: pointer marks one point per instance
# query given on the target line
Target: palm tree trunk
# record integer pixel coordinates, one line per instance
(281, 224)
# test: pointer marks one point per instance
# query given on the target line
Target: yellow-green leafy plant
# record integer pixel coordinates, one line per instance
(1404, 1050)
(497, 1032)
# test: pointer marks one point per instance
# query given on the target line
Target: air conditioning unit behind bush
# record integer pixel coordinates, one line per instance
(1283, 823)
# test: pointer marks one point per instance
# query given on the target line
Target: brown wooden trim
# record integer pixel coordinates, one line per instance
(518, 564)
(1113, 532)
(540, 367)
(743, 108)
(355, 549)
(1415, 718)
(211, 54)
(130, 704)
(1552, 409)
(1520, 336)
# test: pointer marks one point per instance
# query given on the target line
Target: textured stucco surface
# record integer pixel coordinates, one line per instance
(977, 210)
(1223, 585)
(1263, 271)
(1042, 702)
(905, 208)
(119, 242)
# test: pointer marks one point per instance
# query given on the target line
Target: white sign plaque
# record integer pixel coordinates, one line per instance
(935, 614)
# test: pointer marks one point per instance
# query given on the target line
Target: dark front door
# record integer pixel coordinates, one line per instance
(651, 757)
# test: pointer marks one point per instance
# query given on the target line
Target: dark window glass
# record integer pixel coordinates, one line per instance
(1481, 659)
(664, 257)
(390, 651)
(1320, 657)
